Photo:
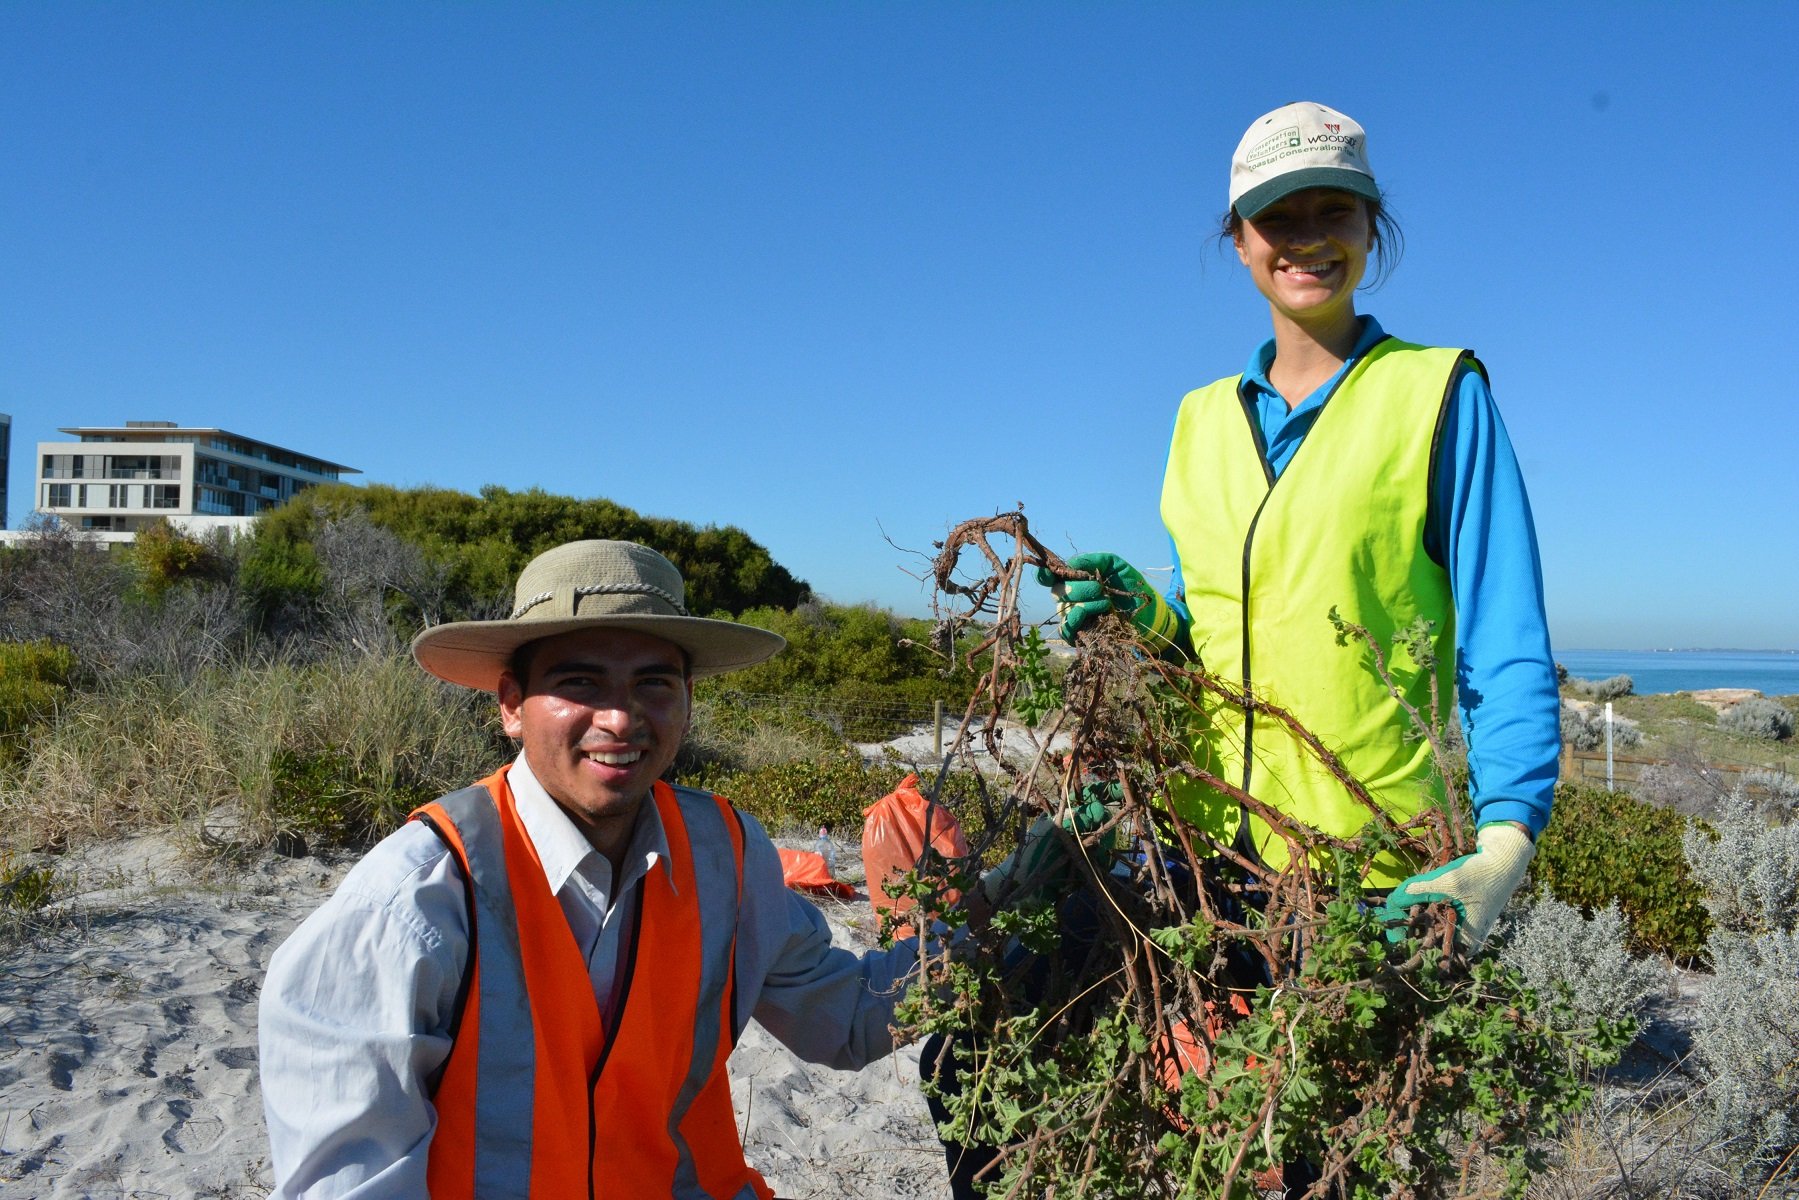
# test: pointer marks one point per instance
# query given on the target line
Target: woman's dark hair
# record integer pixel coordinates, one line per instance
(1389, 242)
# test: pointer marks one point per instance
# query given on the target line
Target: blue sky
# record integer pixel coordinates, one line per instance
(846, 274)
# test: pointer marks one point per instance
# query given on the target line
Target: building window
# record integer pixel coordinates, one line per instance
(165, 495)
(57, 495)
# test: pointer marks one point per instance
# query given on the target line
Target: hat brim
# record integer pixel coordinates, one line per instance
(475, 653)
(1251, 204)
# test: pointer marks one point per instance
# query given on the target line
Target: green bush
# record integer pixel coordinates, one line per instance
(34, 679)
(482, 542)
(1603, 847)
(833, 790)
(864, 671)
(806, 793)
(25, 886)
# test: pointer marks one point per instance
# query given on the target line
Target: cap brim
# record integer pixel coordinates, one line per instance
(1251, 203)
(474, 653)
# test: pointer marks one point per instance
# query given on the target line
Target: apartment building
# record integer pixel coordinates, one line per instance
(115, 479)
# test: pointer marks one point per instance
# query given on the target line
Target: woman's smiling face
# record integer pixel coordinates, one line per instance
(1306, 253)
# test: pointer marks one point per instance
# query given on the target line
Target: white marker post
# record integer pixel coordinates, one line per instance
(1608, 745)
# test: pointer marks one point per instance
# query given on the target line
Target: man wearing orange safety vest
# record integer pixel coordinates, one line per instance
(531, 988)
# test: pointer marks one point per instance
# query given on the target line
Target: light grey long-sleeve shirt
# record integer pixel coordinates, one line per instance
(358, 1001)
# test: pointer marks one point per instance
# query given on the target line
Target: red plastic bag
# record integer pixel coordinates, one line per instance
(893, 840)
(805, 871)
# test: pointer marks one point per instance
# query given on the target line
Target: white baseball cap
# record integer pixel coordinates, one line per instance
(1299, 146)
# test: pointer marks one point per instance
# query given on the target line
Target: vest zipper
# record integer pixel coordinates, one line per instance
(1249, 537)
(618, 1012)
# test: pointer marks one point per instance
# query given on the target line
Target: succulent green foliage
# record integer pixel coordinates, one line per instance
(1037, 693)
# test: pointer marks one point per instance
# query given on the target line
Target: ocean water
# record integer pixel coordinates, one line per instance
(1770, 672)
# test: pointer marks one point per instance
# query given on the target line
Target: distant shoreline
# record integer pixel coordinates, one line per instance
(1675, 650)
(1655, 672)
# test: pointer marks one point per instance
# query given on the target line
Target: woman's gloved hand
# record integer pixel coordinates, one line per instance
(1040, 864)
(1119, 588)
(1478, 884)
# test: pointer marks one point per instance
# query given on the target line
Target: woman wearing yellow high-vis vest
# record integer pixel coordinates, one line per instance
(1347, 469)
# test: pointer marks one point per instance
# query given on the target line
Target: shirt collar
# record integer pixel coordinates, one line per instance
(562, 847)
(1256, 373)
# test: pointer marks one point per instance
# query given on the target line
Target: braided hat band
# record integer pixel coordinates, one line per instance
(603, 589)
(591, 585)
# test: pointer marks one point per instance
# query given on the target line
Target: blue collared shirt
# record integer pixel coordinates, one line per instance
(1480, 530)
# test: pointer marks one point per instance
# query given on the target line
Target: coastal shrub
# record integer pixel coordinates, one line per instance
(164, 557)
(1748, 867)
(25, 886)
(1584, 729)
(1782, 789)
(29, 886)
(1758, 718)
(806, 793)
(1601, 689)
(863, 668)
(1580, 960)
(34, 678)
(833, 790)
(1748, 1021)
(479, 544)
(1609, 847)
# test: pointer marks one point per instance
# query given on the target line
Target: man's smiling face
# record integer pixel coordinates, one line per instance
(601, 714)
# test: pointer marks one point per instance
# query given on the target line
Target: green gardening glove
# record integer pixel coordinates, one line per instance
(1040, 863)
(1478, 884)
(1120, 588)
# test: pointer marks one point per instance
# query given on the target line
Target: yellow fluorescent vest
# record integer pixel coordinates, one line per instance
(1264, 561)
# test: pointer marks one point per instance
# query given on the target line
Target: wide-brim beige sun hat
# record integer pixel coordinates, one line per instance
(591, 585)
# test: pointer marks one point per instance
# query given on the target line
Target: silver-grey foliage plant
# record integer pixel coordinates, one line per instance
(1584, 729)
(1602, 689)
(1758, 717)
(1581, 959)
(1782, 788)
(1748, 1032)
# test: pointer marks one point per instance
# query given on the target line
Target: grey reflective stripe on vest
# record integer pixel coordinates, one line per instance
(715, 873)
(505, 1083)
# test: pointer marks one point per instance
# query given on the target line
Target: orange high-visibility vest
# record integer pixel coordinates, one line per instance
(537, 1098)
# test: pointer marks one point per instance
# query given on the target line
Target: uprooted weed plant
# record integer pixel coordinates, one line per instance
(1215, 1023)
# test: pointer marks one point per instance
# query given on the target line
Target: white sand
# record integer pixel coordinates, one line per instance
(128, 1047)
